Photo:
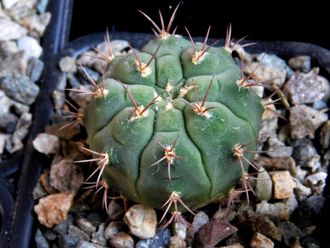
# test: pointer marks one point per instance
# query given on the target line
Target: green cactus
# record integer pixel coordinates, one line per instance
(173, 123)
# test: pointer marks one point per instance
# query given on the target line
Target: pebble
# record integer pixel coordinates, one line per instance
(303, 88)
(258, 222)
(113, 228)
(300, 190)
(200, 219)
(12, 64)
(62, 228)
(317, 181)
(258, 240)
(67, 241)
(53, 209)
(160, 240)
(4, 138)
(37, 24)
(325, 135)
(281, 163)
(46, 143)
(38, 191)
(268, 126)
(142, 221)
(115, 211)
(68, 64)
(86, 225)
(20, 88)
(7, 4)
(80, 234)
(233, 246)
(264, 186)
(84, 79)
(8, 122)
(300, 174)
(305, 154)
(98, 237)
(59, 100)
(180, 230)
(5, 103)
(305, 120)
(283, 184)
(22, 129)
(81, 100)
(301, 63)
(275, 61)
(40, 240)
(50, 235)
(213, 232)
(10, 30)
(289, 231)
(279, 210)
(278, 149)
(121, 240)
(264, 70)
(177, 242)
(30, 46)
(85, 244)
(65, 175)
(42, 6)
(34, 69)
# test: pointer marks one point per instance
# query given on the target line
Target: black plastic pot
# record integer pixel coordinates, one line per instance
(21, 220)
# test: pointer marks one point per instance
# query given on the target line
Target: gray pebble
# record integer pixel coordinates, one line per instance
(67, 241)
(40, 240)
(325, 135)
(73, 80)
(30, 46)
(300, 63)
(68, 64)
(42, 6)
(161, 240)
(278, 149)
(305, 120)
(37, 23)
(8, 123)
(10, 30)
(289, 231)
(305, 88)
(319, 105)
(80, 234)
(122, 240)
(12, 64)
(34, 69)
(264, 186)
(62, 228)
(98, 237)
(274, 61)
(20, 88)
(50, 235)
(83, 78)
(86, 225)
(85, 244)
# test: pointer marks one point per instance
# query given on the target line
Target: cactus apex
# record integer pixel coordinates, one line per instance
(162, 32)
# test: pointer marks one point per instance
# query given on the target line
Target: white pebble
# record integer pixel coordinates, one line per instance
(30, 46)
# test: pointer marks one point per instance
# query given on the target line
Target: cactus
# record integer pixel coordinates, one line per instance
(174, 125)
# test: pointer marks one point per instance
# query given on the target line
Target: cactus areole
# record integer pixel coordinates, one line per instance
(173, 120)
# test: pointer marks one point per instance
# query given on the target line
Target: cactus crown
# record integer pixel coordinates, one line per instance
(175, 124)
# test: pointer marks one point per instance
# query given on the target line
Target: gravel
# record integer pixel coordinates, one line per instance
(288, 189)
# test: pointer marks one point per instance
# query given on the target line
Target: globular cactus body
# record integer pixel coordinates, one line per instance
(169, 120)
